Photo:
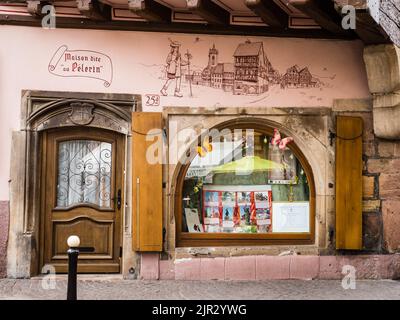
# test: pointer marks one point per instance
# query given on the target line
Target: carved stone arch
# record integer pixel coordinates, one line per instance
(266, 126)
(308, 127)
(96, 111)
(300, 134)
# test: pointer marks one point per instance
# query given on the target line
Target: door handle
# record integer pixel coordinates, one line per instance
(119, 200)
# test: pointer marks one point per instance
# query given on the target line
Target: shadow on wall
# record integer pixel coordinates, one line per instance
(4, 221)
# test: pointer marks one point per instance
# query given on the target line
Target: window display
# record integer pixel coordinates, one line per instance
(246, 185)
(237, 208)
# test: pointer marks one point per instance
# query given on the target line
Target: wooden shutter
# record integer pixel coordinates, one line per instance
(147, 184)
(349, 182)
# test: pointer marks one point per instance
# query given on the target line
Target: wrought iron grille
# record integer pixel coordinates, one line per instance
(84, 173)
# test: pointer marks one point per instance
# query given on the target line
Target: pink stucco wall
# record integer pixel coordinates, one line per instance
(138, 62)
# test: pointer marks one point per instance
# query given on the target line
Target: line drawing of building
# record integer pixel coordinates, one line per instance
(298, 78)
(223, 76)
(217, 75)
(251, 72)
(251, 68)
(291, 77)
(273, 74)
(212, 64)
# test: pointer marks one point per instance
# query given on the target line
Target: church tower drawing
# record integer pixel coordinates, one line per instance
(212, 57)
(212, 63)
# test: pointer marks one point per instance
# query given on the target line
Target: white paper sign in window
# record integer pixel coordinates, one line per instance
(290, 217)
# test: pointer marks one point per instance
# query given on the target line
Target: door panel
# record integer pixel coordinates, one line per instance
(82, 183)
(100, 237)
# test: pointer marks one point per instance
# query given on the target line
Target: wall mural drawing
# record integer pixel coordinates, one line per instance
(173, 69)
(215, 71)
(248, 73)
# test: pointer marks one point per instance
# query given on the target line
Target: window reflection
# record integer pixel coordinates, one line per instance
(242, 183)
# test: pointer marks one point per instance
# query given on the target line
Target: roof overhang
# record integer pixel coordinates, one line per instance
(377, 21)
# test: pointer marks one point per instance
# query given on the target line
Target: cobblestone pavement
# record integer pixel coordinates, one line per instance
(115, 288)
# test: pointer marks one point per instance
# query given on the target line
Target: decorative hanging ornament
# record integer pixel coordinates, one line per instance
(205, 147)
(284, 142)
(276, 140)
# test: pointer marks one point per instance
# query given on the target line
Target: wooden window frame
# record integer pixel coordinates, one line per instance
(187, 239)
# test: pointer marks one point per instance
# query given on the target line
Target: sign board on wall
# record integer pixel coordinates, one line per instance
(81, 63)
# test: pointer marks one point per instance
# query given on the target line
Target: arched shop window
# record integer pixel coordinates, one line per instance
(246, 185)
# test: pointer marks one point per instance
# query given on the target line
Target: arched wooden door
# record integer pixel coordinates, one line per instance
(82, 183)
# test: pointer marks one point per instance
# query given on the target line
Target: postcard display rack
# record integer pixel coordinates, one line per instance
(247, 209)
(237, 209)
(250, 208)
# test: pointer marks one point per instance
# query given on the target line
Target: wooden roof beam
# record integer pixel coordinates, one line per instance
(269, 12)
(367, 29)
(209, 11)
(94, 9)
(322, 12)
(35, 8)
(150, 10)
(389, 19)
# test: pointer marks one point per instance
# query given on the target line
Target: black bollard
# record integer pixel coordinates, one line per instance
(73, 254)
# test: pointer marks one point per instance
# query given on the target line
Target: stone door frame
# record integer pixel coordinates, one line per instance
(310, 128)
(42, 110)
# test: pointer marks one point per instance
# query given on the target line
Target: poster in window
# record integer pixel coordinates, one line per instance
(211, 198)
(227, 218)
(192, 220)
(291, 217)
(243, 197)
(287, 171)
(228, 197)
(243, 208)
(244, 211)
(211, 215)
(263, 203)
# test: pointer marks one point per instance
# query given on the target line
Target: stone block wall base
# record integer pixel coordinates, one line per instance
(4, 221)
(386, 122)
(270, 267)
